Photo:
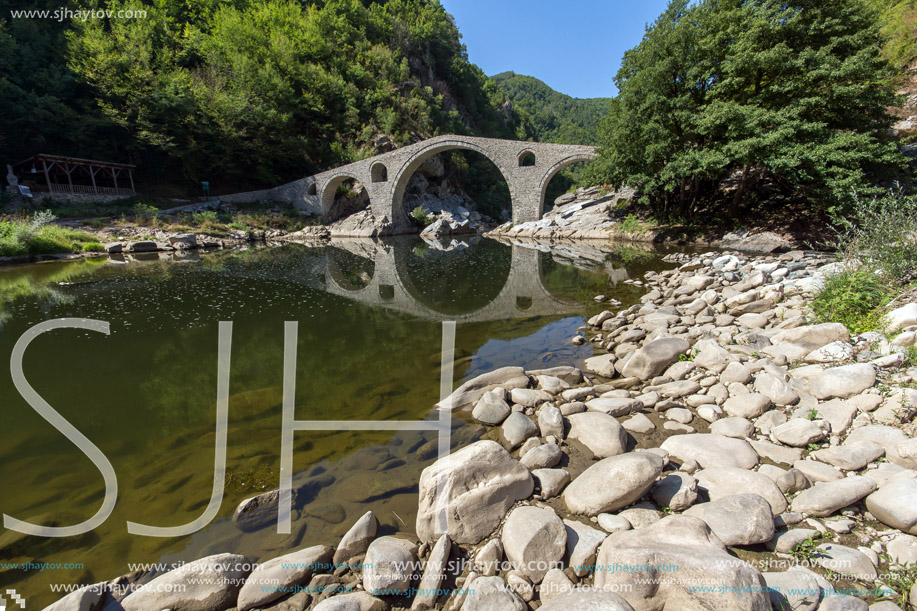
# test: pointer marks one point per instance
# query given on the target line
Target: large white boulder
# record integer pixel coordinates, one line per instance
(478, 484)
(653, 358)
(534, 540)
(842, 382)
(600, 433)
(389, 566)
(737, 519)
(613, 483)
(289, 570)
(901, 318)
(662, 563)
(208, 584)
(895, 503)
(711, 450)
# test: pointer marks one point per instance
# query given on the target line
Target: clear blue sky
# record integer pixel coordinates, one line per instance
(575, 46)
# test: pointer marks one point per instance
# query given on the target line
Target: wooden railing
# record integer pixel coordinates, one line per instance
(59, 188)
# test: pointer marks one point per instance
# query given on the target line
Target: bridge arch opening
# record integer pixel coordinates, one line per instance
(454, 282)
(438, 169)
(526, 159)
(379, 173)
(560, 180)
(342, 196)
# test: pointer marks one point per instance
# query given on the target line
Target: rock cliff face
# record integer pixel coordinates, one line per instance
(581, 215)
(906, 115)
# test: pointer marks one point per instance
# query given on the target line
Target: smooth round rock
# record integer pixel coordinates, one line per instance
(613, 483)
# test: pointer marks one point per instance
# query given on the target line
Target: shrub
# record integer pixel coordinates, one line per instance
(882, 232)
(144, 212)
(206, 217)
(854, 298)
(93, 247)
(36, 236)
(630, 224)
(420, 215)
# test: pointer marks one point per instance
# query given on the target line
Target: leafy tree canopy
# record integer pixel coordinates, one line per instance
(241, 91)
(792, 92)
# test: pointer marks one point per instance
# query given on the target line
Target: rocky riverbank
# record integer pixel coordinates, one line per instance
(592, 213)
(720, 452)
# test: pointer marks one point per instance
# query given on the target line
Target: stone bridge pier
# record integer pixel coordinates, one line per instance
(527, 168)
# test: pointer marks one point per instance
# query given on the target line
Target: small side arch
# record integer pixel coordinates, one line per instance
(379, 173)
(526, 159)
(329, 189)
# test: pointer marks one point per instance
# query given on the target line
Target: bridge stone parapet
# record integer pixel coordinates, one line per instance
(527, 168)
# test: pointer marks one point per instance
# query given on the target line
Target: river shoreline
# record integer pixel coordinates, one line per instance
(588, 215)
(714, 386)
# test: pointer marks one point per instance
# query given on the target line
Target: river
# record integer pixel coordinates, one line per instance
(370, 320)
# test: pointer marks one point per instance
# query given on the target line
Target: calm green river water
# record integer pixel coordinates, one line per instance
(370, 322)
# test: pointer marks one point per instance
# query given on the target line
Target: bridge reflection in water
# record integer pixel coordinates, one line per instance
(383, 277)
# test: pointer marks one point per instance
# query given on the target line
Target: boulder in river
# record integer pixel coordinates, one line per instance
(467, 493)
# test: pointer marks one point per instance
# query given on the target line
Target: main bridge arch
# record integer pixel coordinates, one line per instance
(433, 147)
(527, 168)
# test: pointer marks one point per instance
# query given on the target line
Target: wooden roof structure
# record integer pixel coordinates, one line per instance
(53, 168)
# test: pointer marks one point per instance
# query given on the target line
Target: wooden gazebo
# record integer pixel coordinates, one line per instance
(56, 174)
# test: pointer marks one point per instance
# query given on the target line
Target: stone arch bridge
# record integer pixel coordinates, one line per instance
(527, 168)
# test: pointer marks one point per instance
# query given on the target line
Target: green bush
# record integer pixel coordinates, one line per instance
(144, 211)
(93, 247)
(717, 90)
(854, 298)
(631, 224)
(420, 215)
(206, 217)
(38, 235)
(882, 232)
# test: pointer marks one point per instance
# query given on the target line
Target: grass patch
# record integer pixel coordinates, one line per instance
(38, 235)
(854, 298)
(910, 356)
(93, 247)
(804, 550)
(901, 579)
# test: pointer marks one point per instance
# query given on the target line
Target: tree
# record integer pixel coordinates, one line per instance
(751, 89)
(898, 20)
(245, 93)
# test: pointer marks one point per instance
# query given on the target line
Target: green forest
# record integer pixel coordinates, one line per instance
(554, 117)
(767, 98)
(251, 91)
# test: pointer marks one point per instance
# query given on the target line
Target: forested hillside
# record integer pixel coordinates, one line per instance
(898, 20)
(247, 92)
(555, 117)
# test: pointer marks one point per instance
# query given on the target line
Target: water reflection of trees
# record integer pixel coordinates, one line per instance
(41, 283)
